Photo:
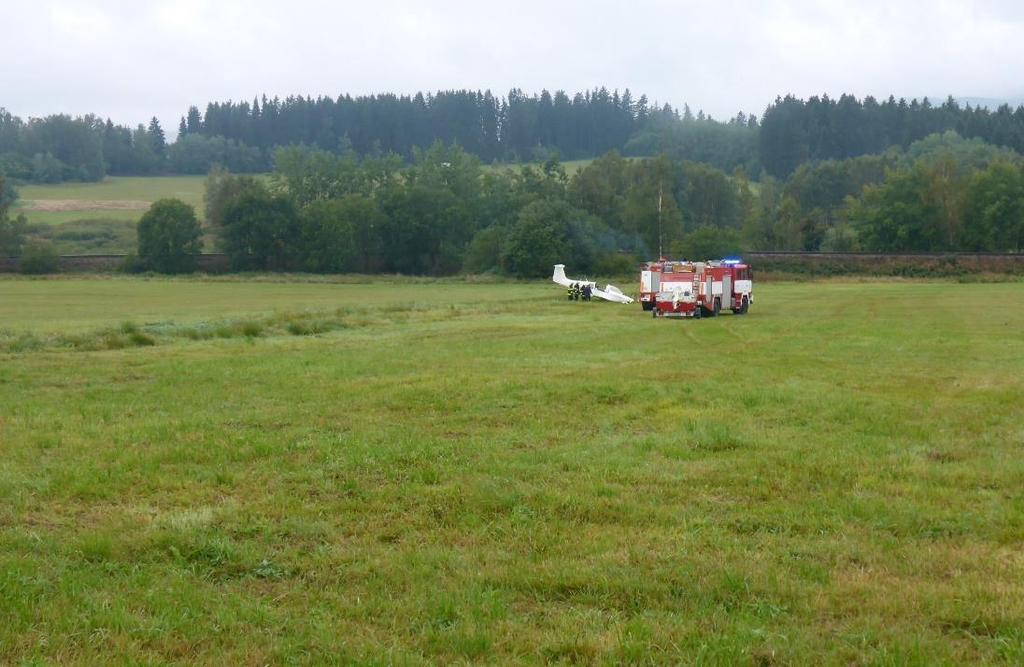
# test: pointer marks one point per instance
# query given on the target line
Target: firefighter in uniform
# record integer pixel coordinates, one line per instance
(568, 291)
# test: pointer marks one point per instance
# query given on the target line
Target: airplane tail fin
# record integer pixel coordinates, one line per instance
(609, 293)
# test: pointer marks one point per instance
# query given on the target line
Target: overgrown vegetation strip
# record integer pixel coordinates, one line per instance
(305, 323)
(517, 479)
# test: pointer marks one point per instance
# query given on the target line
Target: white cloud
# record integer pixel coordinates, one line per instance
(129, 59)
(80, 24)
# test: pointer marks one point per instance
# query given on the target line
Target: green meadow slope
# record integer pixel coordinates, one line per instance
(100, 218)
(116, 197)
(253, 471)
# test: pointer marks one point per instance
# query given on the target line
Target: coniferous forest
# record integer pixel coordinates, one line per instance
(517, 127)
(368, 176)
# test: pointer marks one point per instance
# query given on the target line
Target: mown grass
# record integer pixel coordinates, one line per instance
(88, 236)
(74, 217)
(75, 305)
(490, 473)
(89, 229)
(114, 188)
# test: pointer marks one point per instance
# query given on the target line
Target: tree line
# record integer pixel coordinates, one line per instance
(34, 257)
(795, 131)
(943, 193)
(60, 148)
(12, 230)
(516, 127)
(444, 213)
(439, 215)
(243, 136)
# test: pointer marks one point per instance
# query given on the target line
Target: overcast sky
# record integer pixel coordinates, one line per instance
(132, 59)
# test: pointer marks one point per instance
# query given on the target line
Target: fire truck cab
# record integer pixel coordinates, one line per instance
(696, 289)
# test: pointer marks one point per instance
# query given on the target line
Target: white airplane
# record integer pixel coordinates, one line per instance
(609, 293)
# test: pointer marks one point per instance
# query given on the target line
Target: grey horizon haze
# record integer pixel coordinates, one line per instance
(131, 60)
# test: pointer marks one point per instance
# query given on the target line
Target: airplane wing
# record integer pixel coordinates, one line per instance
(609, 293)
(612, 293)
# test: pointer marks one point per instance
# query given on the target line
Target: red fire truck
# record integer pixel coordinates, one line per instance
(695, 289)
(650, 282)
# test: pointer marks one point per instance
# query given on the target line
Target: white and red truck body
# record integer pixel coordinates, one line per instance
(695, 289)
(650, 282)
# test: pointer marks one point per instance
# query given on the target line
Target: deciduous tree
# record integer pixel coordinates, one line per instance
(260, 231)
(170, 238)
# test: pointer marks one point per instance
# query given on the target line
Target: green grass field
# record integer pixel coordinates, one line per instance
(570, 166)
(59, 218)
(187, 188)
(99, 218)
(484, 472)
(81, 198)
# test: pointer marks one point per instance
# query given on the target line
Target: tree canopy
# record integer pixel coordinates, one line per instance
(795, 131)
(444, 213)
(169, 237)
(515, 127)
(12, 231)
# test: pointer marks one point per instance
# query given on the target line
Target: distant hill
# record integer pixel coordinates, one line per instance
(991, 103)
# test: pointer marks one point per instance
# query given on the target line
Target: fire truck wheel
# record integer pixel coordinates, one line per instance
(648, 305)
(696, 312)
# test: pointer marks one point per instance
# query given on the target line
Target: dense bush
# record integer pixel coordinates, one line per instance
(341, 235)
(52, 149)
(132, 263)
(196, 154)
(615, 264)
(483, 254)
(170, 237)
(708, 243)
(12, 230)
(444, 214)
(39, 257)
(261, 232)
(12, 235)
(548, 233)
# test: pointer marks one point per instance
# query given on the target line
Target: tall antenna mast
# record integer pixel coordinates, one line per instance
(661, 253)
